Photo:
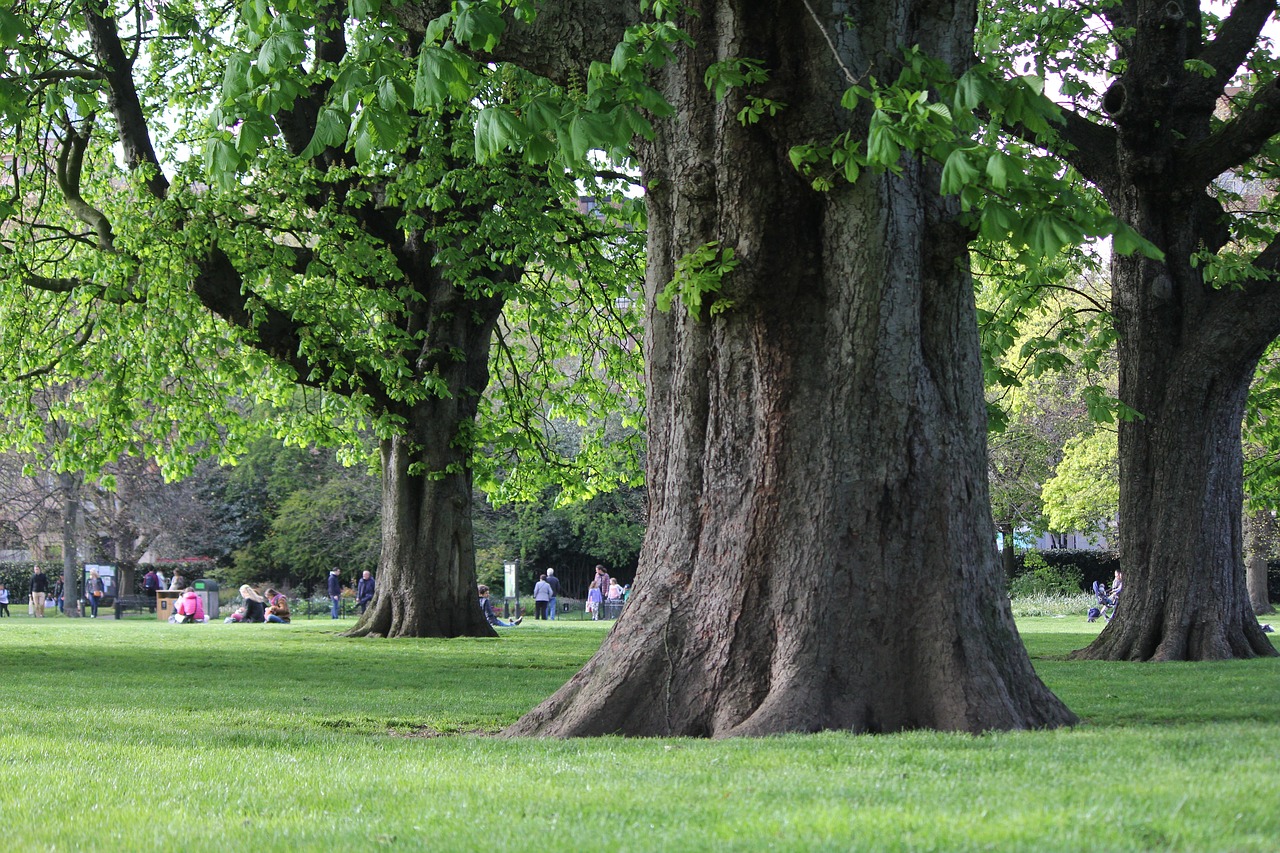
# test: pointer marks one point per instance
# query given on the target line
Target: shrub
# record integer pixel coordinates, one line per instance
(1042, 579)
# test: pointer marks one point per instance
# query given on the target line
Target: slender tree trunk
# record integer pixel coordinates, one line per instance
(819, 552)
(71, 593)
(1259, 545)
(1008, 554)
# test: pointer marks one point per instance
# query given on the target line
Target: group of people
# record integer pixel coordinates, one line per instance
(365, 588)
(260, 608)
(547, 590)
(604, 588)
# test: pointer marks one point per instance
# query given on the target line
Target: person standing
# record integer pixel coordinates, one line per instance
(4, 601)
(541, 595)
(554, 583)
(364, 590)
(603, 578)
(57, 593)
(39, 589)
(335, 592)
(593, 600)
(93, 592)
(150, 586)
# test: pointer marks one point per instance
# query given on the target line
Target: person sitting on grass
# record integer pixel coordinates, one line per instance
(190, 608)
(487, 606)
(277, 607)
(254, 608)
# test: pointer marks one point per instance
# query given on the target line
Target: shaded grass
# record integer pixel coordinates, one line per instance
(136, 735)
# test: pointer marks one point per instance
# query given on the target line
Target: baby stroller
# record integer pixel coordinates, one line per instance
(1106, 603)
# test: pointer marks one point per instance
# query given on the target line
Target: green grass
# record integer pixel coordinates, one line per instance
(137, 735)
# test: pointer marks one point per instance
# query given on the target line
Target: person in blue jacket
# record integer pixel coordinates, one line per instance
(335, 592)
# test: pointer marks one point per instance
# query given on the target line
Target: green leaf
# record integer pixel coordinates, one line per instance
(958, 172)
(497, 129)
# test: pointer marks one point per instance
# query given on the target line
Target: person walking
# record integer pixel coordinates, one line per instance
(335, 592)
(364, 590)
(39, 589)
(94, 590)
(541, 595)
(554, 583)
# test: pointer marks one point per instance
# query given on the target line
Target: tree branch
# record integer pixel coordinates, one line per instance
(126, 106)
(220, 288)
(1237, 140)
(1227, 52)
(70, 168)
(1090, 147)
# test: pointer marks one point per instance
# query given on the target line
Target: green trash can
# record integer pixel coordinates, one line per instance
(207, 589)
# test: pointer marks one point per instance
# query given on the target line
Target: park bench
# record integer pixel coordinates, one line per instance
(139, 603)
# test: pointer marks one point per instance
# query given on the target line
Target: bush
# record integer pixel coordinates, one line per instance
(1042, 579)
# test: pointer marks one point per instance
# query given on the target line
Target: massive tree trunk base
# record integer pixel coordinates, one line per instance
(426, 580)
(1196, 637)
(384, 622)
(861, 671)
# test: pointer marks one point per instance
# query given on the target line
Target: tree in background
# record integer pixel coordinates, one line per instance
(1173, 110)
(338, 235)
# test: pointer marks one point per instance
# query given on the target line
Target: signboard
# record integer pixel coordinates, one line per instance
(108, 575)
(509, 575)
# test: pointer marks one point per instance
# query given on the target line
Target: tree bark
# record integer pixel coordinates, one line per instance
(1187, 353)
(819, 552)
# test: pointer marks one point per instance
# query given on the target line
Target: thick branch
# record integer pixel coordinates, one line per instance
(220, 288)
(560, 43)
(1239, 139)
(70, 168)
(1093, 148)
(126, 106)
(1227, 52)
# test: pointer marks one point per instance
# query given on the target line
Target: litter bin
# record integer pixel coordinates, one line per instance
(165, 600)
(208, 591)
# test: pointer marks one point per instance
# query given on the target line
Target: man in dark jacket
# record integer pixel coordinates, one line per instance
(39, 589)
(335, 592)
(364, 590)
(554, 583)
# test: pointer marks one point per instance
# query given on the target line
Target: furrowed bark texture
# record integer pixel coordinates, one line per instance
(819, 552)
(1187, 351)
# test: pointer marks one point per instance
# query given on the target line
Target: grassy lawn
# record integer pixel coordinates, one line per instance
(139, 735)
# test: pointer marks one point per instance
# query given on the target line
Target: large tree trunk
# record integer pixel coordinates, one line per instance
(426, 581)
(820, 549)
(1259, 546)
(1187, 354)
